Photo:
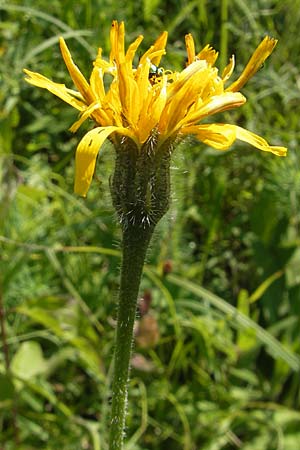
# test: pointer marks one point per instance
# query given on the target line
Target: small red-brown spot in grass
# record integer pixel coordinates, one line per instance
(145, 302)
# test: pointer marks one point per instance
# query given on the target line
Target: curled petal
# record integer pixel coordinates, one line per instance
(258, 142)
(262, 52)
(86, 155)
(217, 135)
(214, 105)
(221, 136)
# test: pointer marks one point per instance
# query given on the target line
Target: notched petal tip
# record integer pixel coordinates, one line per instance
(209, 54)
(28, 75)
(269, 42)
(279, 151)
(32, 77)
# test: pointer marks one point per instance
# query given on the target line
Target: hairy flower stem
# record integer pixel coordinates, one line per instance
(140, 191)
(135, 244)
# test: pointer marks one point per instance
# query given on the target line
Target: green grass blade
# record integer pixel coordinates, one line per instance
(48, 18)
(238, 319)
(53, 41)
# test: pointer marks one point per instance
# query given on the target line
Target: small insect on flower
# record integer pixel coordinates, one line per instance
(154, 73)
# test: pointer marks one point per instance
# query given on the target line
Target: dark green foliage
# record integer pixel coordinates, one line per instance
(225, 371)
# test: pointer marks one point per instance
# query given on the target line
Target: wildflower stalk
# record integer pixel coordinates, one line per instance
(134, 249)
(140, 192)
(141, 111)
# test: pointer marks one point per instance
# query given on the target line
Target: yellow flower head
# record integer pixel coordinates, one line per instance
(145, 100)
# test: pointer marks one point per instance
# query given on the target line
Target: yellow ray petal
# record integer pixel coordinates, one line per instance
(159, 44)
(217, 135)
(113, 41)
(112, 105)
(142, 79)
(214, 105)
(258, 142)
(145, 56)
(102, 63)
(227, 72)
(152, 109)
(77, 77)
(117, 42)
(190, 48)
(133, 48)
(97, 85)
(262, 52)
(60, 90)
(86, 155)
(221, 136)
(85, 115)
(129, 95)
(96, 78)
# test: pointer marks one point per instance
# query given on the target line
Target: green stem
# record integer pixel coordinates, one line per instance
(140, 189)
(135, 243)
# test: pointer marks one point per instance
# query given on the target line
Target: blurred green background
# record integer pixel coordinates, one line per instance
(216, 363)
